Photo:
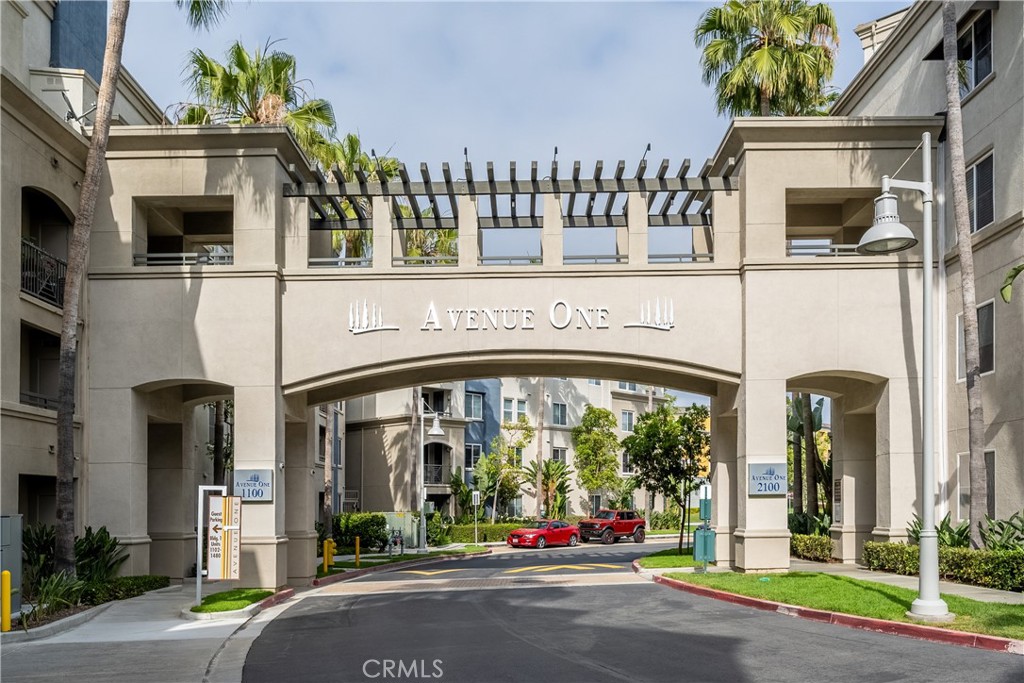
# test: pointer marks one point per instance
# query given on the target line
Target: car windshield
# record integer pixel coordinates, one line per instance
(536, 525)
(606, 514)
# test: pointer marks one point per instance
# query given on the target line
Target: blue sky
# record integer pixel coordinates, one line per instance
(510, 81)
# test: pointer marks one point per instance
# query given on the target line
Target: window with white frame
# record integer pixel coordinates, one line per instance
(514, 508)
(627, 420)
(974, 51)
(513, 408)
(627, 386)
(473, 453)
(559, 414)
(594, 382)
(558, 454)
(980, 197)
(474, 406)
(963, 476)
(627, 466)
(986, 341)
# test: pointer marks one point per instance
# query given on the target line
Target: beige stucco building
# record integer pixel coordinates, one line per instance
(210, 277)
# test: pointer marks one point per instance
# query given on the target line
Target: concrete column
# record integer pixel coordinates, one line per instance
(853, 467)
(551, 244)
(383, 236)
(762, 533)
(259, 444)
(469, 232)
(897, 460)
(723, 473)
(296, 234)
(170, 484)
(723, 241)
(117, 472)
(633, 244)
(300, 498)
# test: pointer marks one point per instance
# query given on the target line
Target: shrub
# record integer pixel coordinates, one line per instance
(950, 536)
(370, 527)
(810, 547)
(98, 556)
(803, 523)
(437, 530)
(1001, 569)
(54, 593)
(1003, 534)
(122, 588)
(463, 533)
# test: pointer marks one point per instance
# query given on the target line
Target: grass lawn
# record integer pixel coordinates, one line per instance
(340, 567)
(863, 598)
(232, 600)
(670, 558)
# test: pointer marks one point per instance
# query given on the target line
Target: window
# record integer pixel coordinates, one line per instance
(474, 406)
(559, 414)
(558, 454)
(513, 408)
(963, 475)
(627, 420)
(473, 453)
(627, 386)
(514, 508)
(594, 382)
(974, 49)
(986, 341)
(627, 466)
(980, 200)
(595, 503)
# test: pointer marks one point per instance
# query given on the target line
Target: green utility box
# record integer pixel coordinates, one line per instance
(704, 546)
(705, 509)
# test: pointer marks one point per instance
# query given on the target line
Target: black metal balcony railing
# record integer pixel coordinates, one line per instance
(31, 398)
(434, 474)
(42, 274)
(187, 259)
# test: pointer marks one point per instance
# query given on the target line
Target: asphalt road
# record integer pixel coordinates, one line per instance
(553, 620)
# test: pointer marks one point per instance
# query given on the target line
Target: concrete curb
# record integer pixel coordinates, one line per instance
(244, 613)
(54, 627)
(356, 573)
(898, 628)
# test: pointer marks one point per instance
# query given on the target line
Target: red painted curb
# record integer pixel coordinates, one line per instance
(921, 632)
(356, 573)
(279, 596)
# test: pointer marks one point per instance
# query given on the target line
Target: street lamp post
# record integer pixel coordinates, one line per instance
(435, 430)
(888, 235)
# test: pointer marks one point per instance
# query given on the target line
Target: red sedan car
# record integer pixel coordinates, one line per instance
(544, 533)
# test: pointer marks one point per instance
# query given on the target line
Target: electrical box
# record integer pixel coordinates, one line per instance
(10, 555)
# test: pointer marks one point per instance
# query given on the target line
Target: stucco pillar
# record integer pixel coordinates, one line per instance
(300, 498)
(723, 473)
(551, 245)
(296, 233)
(117, 472)
(258, 439)
(170, 490)
(897, 460)
(469, 232)
(762, 533)
(383, 236)
(853, 482)
(634, 244)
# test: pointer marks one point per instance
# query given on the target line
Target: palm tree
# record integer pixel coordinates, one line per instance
(1006, 291)
(258, 88)
(767, 56)
(349, 156)
(972, 354)
(201, 13)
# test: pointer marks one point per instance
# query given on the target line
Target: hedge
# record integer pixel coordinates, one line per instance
(122, 588)
(817, 548)
(1001, 569)
(370, 527)
(463, 533)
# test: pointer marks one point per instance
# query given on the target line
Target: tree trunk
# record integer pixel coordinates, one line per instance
(682, 527)
(798, 472)
(766, 109)
(328, 509)
(811, 470)
(972, 355)
(540, 448)
(218, 443)
(78, 255)
(497, 490)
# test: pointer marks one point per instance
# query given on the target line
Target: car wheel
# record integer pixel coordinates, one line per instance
(573, 540)
(541, 542)
(608, 537)
(639, 535)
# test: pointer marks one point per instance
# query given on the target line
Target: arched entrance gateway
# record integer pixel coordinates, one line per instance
(213, 274)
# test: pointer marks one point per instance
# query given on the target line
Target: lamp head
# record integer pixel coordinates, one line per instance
(435, 429)
(887, 235)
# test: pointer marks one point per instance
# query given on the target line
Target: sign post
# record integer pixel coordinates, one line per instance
(203, 490)
(476, 502)
(224, 538)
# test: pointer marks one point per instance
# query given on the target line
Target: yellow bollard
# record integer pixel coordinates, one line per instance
(328, 554)
(357, 552)
(5, 601)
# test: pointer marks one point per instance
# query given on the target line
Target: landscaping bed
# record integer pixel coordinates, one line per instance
(669, 558)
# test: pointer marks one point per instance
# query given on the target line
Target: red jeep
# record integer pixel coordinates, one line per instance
(611, 525)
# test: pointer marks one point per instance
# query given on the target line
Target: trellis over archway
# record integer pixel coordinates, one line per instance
(630, 204)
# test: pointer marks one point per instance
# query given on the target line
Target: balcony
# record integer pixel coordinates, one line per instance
(222, 258)
(42, 274)
(31, 398)
(436, 475)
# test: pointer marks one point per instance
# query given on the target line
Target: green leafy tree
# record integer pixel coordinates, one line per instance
(768, 56)
(462, 494)
(201, 13)
(500, 472)
(555, 478)
(597, 448)
(667, 451)
(1006, 291)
